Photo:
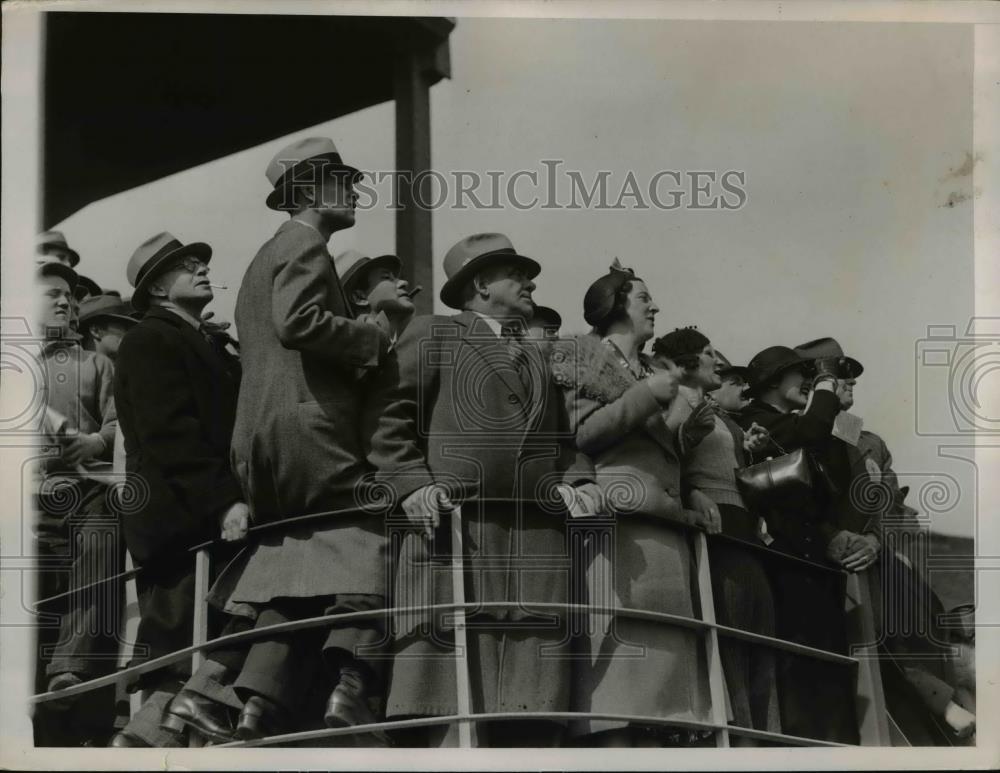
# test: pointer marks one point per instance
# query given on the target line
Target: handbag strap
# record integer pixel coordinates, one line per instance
(778, 446)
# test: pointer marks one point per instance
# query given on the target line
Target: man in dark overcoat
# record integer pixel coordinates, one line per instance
(866, 511)
(468, 412)
(297, 452)
(176, 390)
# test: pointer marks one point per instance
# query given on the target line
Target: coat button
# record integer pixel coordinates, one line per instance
(512, 398)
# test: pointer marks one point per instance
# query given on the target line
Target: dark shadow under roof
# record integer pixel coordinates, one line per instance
(133, 97)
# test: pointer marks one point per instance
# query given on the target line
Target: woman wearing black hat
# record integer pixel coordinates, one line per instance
(796, 400)
(616, 401)
(740, 587)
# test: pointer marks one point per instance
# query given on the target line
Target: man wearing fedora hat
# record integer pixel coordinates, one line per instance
(176, 392)
(297, 451)
(466, 411)
(104, 319)
(51, 246)
(81, 421)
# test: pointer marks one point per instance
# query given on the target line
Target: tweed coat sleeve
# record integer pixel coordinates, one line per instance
(106, 403)
(152, 377)
(401, 395)
(599, 426)
(301, 306)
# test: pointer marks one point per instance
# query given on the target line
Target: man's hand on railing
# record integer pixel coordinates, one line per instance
(235, 522)
(82, 448)
(424, 507)
(854, 552)
(862, 552)
(709, 518)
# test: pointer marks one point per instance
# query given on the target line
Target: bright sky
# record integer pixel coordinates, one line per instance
(856, 143)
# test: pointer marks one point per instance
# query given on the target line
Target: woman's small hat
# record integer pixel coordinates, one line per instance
(599, 300)
(771, 362)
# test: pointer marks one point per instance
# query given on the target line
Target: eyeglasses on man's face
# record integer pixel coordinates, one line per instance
(191, 264)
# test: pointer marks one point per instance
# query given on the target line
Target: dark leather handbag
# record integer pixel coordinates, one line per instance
(780, 479)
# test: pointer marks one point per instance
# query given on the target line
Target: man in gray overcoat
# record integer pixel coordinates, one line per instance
(465, 410)
(296, 452)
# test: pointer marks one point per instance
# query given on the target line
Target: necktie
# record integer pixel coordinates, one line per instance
(513, 334)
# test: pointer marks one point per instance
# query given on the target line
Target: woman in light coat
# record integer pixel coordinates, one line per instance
(740, 587)
(639, 557)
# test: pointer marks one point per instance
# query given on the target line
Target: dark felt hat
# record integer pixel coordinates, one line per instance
(728, 369)
(155, 255)
(546, 316)
(105, 307)
(85, 286)
(770, 363)
(824, 348)
(48, 240)
(60, 270)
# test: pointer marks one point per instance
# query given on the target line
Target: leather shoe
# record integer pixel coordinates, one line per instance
(125, 740)
(260, 718)
(348, 705)
(210, 718)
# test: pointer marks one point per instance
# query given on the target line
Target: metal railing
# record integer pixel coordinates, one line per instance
(870, 703)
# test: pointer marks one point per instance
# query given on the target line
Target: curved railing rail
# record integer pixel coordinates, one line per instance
(465, 718)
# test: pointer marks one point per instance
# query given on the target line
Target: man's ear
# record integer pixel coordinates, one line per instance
(480, 285)
(358, 297)
(156, 290)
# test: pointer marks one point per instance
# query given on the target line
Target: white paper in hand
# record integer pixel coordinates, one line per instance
(847, 427)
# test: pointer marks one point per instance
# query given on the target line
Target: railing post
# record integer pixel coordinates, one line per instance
(466, 728)
(873, 724)
(200, 622)
(130, 632)
(716, 679)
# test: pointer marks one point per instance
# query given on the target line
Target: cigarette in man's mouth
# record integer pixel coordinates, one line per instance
(414, 291)
(219, 287)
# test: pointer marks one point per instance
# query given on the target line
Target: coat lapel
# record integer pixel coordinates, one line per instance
(482, 339)
(194, 339)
